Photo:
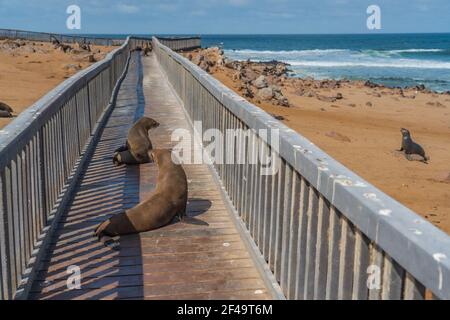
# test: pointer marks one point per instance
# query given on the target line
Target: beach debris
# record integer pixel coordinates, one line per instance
(72, 67)
(338, 96)
(436, 104)
(338, 136)
(278, 117)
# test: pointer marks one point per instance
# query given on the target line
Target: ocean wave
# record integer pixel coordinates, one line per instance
(415, 50)
(398, 63)
(288, 52)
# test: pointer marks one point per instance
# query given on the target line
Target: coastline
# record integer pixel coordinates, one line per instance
(358, 123)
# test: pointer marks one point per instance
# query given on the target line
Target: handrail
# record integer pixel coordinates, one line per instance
(41, 154)
(44, 36)
(181, 43)
(320, 227)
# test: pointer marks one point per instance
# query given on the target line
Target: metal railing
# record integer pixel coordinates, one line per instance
(324, 232)
(43, 36)
(41, 154)
(176, 44)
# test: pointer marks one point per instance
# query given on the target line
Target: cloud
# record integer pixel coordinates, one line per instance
(127, 8)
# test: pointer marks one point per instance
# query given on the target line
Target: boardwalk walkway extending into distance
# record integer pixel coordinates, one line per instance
(201, 258)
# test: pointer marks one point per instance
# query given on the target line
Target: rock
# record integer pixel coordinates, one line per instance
(265, 94)
(369, 104)
(248, 75)
(371, 84)
(230, 64)
(204, 65)
(189, 56)
(247, 92)
(260, 82)
(198, 59)
(339, 96)
(420, 87)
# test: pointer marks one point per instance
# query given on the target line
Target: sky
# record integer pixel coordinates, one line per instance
(226, 16)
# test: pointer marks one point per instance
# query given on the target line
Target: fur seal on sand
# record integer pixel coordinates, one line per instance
(411, 148)
(5, 110)
(135, 151)
(167, 201)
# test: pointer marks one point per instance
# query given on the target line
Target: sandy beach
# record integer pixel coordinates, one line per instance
(358, 123)
(28, 70)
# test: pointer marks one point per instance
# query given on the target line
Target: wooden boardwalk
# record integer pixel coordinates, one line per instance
(201, 258)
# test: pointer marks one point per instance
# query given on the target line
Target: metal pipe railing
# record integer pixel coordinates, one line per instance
(176, 44)
(324, 232)
(43, 36)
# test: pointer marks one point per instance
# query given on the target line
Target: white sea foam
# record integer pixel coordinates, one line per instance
(338, 58)
(398, 63)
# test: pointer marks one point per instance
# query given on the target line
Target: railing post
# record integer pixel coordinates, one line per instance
(6, 291)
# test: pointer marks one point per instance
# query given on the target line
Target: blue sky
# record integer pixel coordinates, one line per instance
(226, 16)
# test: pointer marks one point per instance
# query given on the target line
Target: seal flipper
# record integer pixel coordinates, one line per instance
(122, 148)
(125, 157)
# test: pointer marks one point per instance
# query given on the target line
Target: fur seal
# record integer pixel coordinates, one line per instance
(411, 148)
(5, 111)
(135, 151)
(167, 201)
(148, 48)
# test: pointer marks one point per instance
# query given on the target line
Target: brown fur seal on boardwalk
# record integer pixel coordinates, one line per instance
(411, 148)
(167, 201)
(5, 110)
(138, 144)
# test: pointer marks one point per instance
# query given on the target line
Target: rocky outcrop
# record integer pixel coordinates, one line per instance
(260, 82)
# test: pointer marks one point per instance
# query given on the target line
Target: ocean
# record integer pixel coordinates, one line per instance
(395, 60)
